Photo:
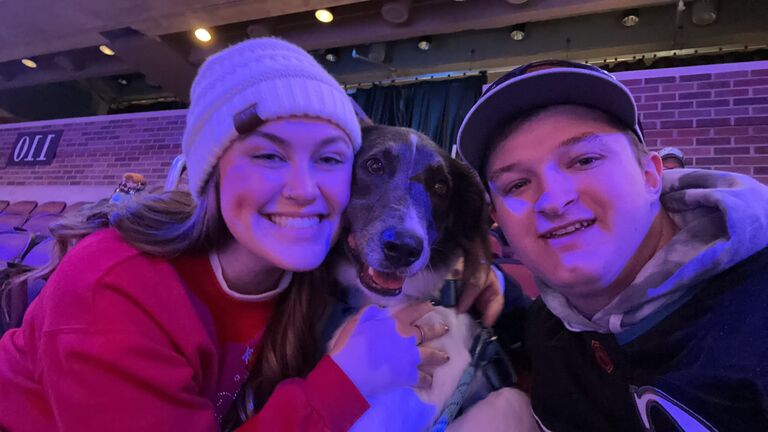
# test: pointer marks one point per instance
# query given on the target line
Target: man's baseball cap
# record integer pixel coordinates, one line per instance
(538, 85)
(671, 152)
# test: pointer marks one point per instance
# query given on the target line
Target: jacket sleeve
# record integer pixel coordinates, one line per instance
(325, 401)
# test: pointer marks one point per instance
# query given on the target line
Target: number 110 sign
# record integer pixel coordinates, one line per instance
(35, 148)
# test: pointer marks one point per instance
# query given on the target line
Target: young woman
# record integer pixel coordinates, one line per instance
(155, 323)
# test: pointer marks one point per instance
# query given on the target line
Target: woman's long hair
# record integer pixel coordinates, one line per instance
(169, 224)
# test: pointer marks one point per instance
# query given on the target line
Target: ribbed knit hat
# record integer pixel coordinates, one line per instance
(272, 79)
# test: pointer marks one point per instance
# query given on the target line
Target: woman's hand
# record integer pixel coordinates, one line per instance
(380, 351)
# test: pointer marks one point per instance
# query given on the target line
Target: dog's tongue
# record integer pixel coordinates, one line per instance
(386, 280)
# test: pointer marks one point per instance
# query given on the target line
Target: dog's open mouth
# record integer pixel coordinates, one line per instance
(388, 284)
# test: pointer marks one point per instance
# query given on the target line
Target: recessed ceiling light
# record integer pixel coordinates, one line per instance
(106, 50)
(203, 35)
(424, 43)
(630, 17)
(324, 15)
(29, 63)
(517, 32)
(332, 55)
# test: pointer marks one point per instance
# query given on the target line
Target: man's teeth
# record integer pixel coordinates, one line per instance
(569, 229)
(295, 222)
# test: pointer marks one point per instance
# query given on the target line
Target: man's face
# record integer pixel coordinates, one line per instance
(671, 163)
(571, 198)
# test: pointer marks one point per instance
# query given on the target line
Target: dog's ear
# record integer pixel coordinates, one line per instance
(469, 207)
(362, 117)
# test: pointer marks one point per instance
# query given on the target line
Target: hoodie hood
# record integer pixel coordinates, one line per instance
(723, 219)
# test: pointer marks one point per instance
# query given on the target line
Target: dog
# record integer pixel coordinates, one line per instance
(414, 212)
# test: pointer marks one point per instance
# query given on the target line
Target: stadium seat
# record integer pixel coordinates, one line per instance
(50, 207)
(13, 245)
(21, 208)
(10, 221)
(40, 254)
(3, 205)
(75, 207)
(39, 224)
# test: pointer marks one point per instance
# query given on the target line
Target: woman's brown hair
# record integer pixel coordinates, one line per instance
(171, 223)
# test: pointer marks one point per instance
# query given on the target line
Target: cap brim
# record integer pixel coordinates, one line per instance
(557, 86)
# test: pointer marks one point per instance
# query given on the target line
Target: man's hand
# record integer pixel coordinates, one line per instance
(484, 292)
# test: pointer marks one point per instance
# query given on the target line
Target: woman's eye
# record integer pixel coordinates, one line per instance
(270, 157)
(330, 160)
(375, 166)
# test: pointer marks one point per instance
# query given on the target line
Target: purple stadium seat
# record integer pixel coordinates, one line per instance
(3, 205)
(9, 221)
(21, 208)
(13, 245)
(40, 254)
(75, 207)
(39, 224)
(50, 207)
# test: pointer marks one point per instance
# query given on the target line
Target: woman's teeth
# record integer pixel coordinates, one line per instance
(295, 222)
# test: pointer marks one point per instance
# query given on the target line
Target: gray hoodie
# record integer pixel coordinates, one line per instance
(723, 219)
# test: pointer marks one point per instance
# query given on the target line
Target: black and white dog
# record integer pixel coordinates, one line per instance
(413, 213)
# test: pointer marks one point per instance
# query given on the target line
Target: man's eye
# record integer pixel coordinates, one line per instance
(516, 186)
(585, 161)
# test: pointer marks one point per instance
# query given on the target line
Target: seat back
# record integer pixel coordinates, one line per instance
(21, 207)
(40, 254)
(13, 245)
(50, 207)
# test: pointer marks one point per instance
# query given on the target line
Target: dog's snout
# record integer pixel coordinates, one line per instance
(401, 248)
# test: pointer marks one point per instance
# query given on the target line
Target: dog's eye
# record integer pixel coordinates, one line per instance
(440, 188)
(375, 166)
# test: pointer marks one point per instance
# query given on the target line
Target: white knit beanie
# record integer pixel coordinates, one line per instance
(271, 78)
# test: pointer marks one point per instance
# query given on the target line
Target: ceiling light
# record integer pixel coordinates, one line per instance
(630, 17)
(704, 12)
(517, 32)
(425, 43)
(106, 50)
(29, 63)
(324, 15)
(203, 35)
(332, 55)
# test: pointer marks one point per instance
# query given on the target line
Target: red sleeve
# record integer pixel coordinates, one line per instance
(325, 401)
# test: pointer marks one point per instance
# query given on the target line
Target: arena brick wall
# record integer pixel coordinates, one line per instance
(716, 114)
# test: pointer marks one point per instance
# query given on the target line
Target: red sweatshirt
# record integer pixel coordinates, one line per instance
(122, 341)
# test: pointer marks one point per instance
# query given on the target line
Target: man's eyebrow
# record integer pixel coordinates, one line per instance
(585, 138)
(502, 170)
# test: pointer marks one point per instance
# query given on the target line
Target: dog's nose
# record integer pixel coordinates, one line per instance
(401, 248)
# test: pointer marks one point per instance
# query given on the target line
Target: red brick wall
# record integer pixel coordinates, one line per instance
(716, 114)
(98, 150)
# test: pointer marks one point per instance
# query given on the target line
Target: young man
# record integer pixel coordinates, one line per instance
(653, 312)
(672, 158)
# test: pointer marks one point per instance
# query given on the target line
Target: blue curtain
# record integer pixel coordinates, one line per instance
(435, 108)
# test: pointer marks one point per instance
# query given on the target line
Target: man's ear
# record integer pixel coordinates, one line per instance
(652, 169)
